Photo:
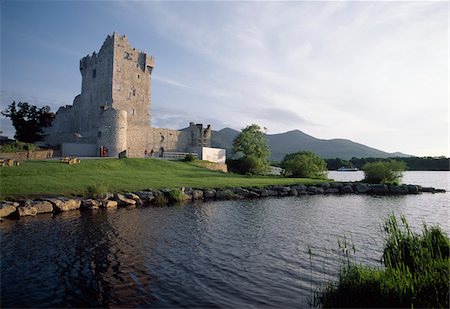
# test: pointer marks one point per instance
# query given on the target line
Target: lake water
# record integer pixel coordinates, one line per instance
(213, 254)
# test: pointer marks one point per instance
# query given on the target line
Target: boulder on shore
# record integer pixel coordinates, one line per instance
(109, 204)
(197, 194)
(124, 200)
(346, 189)
(91, 204)
(362, 188)
(380, 189)
(209, 193)
(27, 211)
(8, 208)
(40, 206)
(398, 189)
(63, 204)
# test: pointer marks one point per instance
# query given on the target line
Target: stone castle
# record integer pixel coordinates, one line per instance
(113, 110)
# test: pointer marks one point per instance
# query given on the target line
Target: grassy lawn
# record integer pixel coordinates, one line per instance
(34, 178)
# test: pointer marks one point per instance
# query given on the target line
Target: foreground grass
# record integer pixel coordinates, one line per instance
(34, 178)
(416, 273)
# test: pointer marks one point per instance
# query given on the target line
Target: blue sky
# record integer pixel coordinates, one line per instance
(373, 72)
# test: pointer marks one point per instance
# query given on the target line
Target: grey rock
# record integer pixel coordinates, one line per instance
(413, 189)
(332, 191)
(427, 189)
(302, 192)
(132, 196)
(135, 197)
(272, 192)
(209, 193)
(252, 194)
(294, 192)
(299, 187)
(362, 188)
(325, 185)
(336, 185)
(91, 204)
(242, 192)
(346, 189)
(379, 189)
(124, 200)
(145, 196)
(225, 194)
(262, 192)
(197, 194)
(281, 188)
(398, 189)
(315, 190)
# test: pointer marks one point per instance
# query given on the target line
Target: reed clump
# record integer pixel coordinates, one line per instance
(416, 272)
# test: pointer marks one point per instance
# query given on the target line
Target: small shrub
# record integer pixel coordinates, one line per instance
(189, 158)
(249, 165)
(305, 164)
(416, 273)
(174, 196)
(389, 172)
(96, 191)
(17, 146)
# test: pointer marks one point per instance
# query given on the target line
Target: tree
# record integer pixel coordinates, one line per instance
(251, 143)
(28, 120)
(389, 172)
(305, 164)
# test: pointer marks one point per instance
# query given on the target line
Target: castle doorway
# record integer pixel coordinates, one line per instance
(161, 152)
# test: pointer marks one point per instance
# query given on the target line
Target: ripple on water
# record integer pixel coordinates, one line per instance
(212, 254)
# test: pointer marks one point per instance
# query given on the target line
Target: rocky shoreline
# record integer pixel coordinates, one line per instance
(164, 197)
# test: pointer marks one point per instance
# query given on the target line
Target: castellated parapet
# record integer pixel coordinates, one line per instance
(113, 108)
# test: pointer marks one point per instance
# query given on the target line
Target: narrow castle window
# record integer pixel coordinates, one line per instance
(133, 112)
(139, 76)
(134, 92)
(99, 133)
(94, 73)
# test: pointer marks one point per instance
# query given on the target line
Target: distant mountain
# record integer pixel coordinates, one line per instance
(292, 141)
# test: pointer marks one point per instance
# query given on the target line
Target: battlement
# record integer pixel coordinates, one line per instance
(114, 41)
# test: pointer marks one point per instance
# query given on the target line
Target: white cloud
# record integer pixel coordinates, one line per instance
(374, 72)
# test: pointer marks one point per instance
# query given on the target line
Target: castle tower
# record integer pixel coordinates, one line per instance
(117, 77)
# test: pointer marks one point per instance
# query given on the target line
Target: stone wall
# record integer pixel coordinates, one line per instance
(27, 155)
(113, 109)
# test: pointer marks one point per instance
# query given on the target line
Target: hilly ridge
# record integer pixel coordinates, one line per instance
(292, 141)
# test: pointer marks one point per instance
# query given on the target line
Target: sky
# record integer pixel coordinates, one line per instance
(374, 72)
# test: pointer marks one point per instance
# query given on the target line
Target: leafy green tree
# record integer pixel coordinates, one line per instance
(305, 164)
(28, 120)
(385, 172)
(251, 143)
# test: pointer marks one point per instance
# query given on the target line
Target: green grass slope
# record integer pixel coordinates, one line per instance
(34, 178)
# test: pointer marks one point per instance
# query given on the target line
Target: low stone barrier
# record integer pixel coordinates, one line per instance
(162, 197)
(28, 155)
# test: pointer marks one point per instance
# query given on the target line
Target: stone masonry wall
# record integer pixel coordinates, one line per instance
(116, 82)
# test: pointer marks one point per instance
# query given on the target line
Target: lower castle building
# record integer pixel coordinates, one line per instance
(112, 113)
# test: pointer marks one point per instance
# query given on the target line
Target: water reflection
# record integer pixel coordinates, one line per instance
(212, 254)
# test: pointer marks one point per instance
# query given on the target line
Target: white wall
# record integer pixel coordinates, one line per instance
(216, 155)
